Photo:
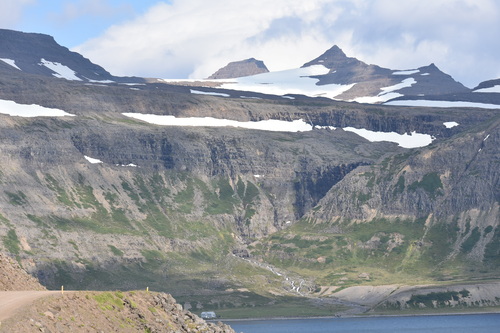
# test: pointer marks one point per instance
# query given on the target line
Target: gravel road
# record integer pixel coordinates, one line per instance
(13, 301)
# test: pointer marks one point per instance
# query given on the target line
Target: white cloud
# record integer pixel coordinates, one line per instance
(195, 37)
(191, 37)
(11, 11)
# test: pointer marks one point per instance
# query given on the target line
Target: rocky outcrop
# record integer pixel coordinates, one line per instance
(239, 69)
(426, 181)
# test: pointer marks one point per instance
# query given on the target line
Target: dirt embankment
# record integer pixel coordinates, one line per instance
(13, 277)
(26, 306)
(83, 311)
(109, 312)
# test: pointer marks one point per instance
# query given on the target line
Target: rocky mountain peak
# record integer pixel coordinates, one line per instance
(241, 68)
(334, 52)
(40, 54)
(334, 58)
(430, 68)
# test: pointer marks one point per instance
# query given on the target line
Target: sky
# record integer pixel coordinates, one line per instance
(179, 39)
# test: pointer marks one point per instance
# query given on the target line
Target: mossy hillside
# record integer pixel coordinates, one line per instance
(109, 300)
(61, 194)
(430, 183)
(163, 271)
(387, 250)
(492, 251)
(167, 200)
(11, 242)
(170, 205)
(16, 198)
(200, 271)
(116, 251)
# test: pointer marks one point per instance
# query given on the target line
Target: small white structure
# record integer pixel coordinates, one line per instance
(208, 315)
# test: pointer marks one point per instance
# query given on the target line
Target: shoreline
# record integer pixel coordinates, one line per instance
(497, 312)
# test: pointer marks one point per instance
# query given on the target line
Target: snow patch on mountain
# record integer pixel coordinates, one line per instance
(24, 110)
(450, 124)
(325, 127)
(407, 72)
(387, 93)
(442, 104)
(99, 81)
(412, 140)
(293, 81)
(208, 93)
(130, 165)
(61, 71)
(92, 160)
(10, 62)
(403, 84)
(263, 125)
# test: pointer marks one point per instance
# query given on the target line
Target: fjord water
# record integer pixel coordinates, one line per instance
(480, 323)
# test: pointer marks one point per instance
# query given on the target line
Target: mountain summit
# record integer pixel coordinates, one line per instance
(335, 75)
(40, 54)
(241, 68)
(335, 59)
(373, 83)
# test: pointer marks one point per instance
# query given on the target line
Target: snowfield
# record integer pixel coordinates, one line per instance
(208, 93)
(413, 140)
(408, 72)
(288, 82)
(24, 110)
(10, 62)
(92, 160)
(450, 124)
(293, 81)
(61, 71)
(263, 125)
(387, 93)
(443, 104)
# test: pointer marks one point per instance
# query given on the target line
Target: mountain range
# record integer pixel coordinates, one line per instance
(271, 190)
(336, 76)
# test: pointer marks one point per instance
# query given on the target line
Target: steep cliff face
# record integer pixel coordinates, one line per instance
(428, 213)
(456, 183)
(459, 174)
(155, 193)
